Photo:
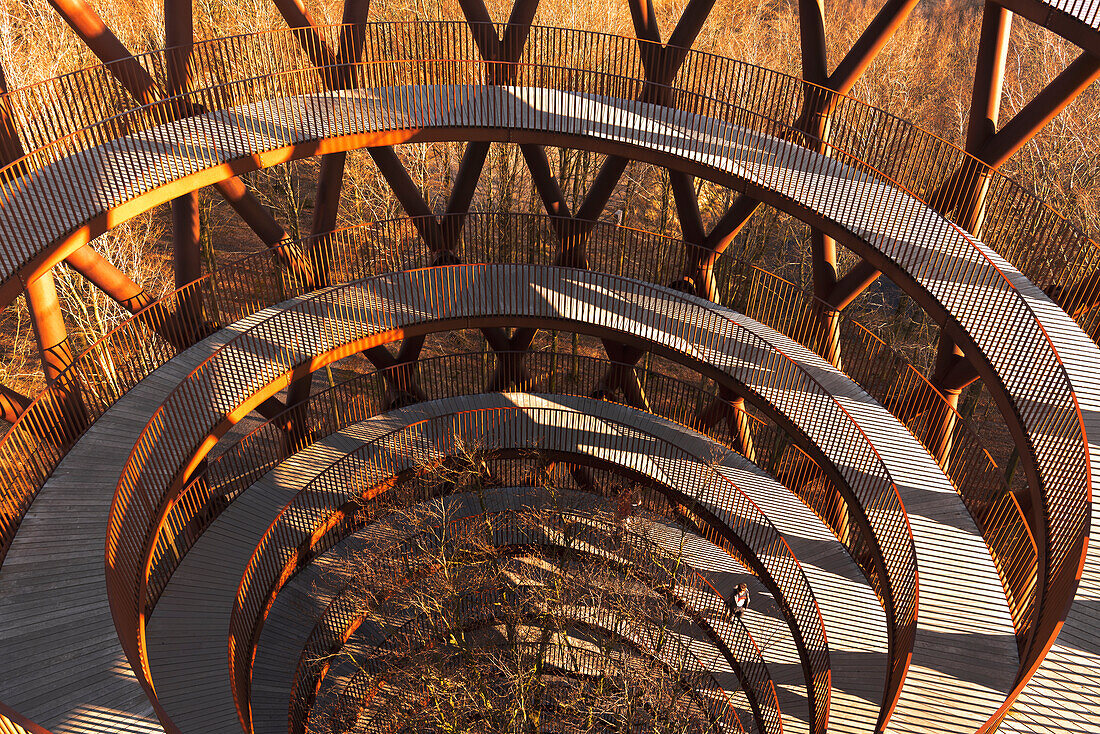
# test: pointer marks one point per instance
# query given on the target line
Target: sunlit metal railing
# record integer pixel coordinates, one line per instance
(516, 522)
(242, 82)
(866, 146)
(261, 280)
(327, 510)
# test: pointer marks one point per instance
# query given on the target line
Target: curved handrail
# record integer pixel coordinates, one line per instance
(856, 131)
(341, 616)
(388, 455)
(1044, 416)
(141, 492)
(760, 294)
(262, 279)
(222, 478)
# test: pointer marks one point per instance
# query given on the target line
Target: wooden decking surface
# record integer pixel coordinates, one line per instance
(314, 601)
(63, 666)
(859, 639)
(965, 653)
(985, 295)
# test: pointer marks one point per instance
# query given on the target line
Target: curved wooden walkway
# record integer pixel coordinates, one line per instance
(64, 667)
(871, 450)
(941, 511)
(975, 288)
(528, 422)
(833, 571)
(314, 605)
(979, 297)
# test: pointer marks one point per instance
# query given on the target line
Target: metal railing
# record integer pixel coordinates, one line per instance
(269, 350)
(873, 156)
(261, 280)
(224, 477)
(519, 525)
(326, 510)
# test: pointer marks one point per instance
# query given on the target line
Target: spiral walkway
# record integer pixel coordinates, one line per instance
(495, 289)
(906, 599)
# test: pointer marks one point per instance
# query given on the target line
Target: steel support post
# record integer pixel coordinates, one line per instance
(297, 431)
(330, 179)
(740, 425)
(1055, 97)
(462, 193)
(622, 375)
(108, 49)
(11, 147)
(186, 255)
(942, 429)
(400, 372)
(510, 352)
(716, 243)
(315, 46)
(109, 279)
(49, 326)
(985, 108)
(56, 354)
(815, 69)
(408, 195)
(869, 44)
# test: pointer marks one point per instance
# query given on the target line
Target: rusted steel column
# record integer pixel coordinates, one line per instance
(178, 37)
(941, 432)
(811, 31)
(400, 372)
(56, 353)
(462, 193)
(823, 267)
(740, 425)
(730, 407)
(109, 279)
(408, 195)
(297, 416)
(684, 34)
(985, 99)
(815, 69)
(108, 49)
(330, 179)
(1054, 98)
(12, 404)
(649, 48)
(186, 234)
(869, 44)
(49, 326)
(504, 50)
(720, 238)
(311, 41)
(549, 191)
(985, 107)
(510, 352)
(958, 192)
(11, 148)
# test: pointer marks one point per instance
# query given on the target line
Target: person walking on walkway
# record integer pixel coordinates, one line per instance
(740, 600)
